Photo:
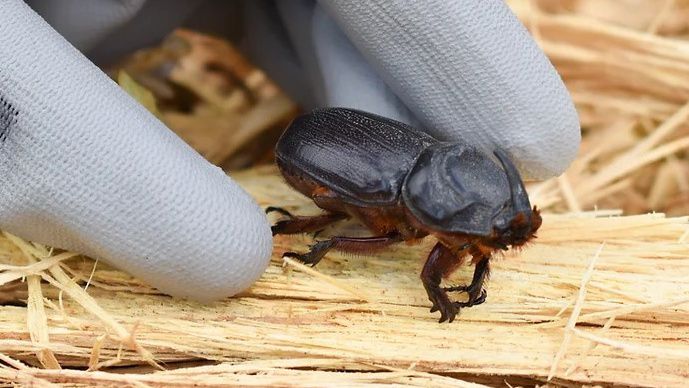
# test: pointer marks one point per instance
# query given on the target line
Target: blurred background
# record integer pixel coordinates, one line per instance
(625, 63)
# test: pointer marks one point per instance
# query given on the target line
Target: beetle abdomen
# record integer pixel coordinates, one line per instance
(361, 156)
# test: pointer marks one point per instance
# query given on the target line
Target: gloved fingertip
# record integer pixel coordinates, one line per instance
(549, 145)
(237, 245)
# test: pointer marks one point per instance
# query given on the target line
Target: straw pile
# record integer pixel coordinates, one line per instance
(626, 64)
(599, 298)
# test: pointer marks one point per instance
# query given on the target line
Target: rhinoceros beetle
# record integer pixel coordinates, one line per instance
(403, 184)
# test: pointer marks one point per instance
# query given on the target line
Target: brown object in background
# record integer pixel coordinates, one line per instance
(213, 98)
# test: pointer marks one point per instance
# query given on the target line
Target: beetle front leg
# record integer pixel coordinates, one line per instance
(440, 263)
(345, 244)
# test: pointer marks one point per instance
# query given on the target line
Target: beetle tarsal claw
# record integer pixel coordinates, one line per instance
(448, 312)
(448, 309)
(315, 253)
(293, 255)
(475, 300)
(279, 227)
(304, 258)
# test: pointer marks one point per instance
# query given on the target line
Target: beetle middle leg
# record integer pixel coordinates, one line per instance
(345, 244)
(303, 224)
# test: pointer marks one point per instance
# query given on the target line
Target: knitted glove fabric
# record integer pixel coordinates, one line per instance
(459, 69)
(468, 70)
(85, 168)
(86, 23)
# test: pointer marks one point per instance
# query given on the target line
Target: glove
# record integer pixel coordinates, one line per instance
(487, 83)
(85, 168)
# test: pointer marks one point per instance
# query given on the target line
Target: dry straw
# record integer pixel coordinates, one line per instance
(608, 323)
(599, 298)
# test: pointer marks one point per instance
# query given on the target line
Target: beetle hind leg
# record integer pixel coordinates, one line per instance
(303, 224)
(345, 244)
(271, 209)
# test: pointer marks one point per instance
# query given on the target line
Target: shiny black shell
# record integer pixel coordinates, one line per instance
(361, 156)
(456, 187)
(370, 161)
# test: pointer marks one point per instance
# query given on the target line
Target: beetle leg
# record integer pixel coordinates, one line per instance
(477, 294)
(345, 244)
(305, 224)
(280, 210)
(477, 298)
(456, 288)
(441, 261)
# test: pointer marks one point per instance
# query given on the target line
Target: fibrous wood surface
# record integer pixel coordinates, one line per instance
(598, 298)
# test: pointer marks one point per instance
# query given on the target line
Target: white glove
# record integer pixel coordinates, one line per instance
(84, 168)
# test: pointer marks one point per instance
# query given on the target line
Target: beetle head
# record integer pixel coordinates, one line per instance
(524, 221)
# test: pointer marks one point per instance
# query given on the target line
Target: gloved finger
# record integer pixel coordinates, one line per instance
(347, 79)
(85, 23)
(304, 52)
(266, 42)
(299, 14)
(86, 168)
(105, 30)
(155, 20)
(468, 70)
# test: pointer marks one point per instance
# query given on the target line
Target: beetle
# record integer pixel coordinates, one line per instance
(404, 184)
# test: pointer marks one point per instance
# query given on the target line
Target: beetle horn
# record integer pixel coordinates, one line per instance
(520, 199)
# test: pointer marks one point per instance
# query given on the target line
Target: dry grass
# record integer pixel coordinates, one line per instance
(598, 299)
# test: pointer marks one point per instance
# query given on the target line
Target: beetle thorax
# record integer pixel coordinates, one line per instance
(456, 188)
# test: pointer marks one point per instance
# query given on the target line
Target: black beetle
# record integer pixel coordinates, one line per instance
(403, 184)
